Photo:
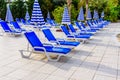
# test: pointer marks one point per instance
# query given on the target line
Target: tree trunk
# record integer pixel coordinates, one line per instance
(86, 7)
(69, 2)
(8, 1)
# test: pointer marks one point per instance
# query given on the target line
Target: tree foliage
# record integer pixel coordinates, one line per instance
(18, 9)
(74, 13)
(118, 7)
(110, 7)
(111, 10)
(2, 9)
(55, 7)
(57, 13)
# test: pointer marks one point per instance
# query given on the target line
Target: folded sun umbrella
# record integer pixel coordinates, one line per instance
(37, 18)
(27, 16)
(66, 16)
(81, 15)
(95, 16)
(89, 15)
(102, 14)
(9, 16)
(48, 15)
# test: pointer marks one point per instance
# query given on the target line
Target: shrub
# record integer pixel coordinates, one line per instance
(57, 13)
(2, 9)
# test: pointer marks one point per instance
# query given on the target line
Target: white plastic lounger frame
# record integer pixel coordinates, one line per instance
(44, 51)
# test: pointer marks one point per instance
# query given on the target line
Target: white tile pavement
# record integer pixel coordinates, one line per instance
(99, 59)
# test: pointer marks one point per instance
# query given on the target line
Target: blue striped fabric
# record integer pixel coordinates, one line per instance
(102, 14)
(89, 15)
(95, 16)
(81, 15)
(9, 16)
(27, 16)
(66, 17)
(37, 18)
(48, 15)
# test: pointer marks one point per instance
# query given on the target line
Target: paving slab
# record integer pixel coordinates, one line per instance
(98, 59)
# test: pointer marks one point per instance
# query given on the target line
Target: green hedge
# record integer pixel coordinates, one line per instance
(55, 7)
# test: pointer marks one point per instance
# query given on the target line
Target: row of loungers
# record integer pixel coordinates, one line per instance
(14, 30)
(61, 47)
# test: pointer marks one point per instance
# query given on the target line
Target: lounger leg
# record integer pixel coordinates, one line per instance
(83, 41)
(1, 34)
(49, 58)
(24, 56)
(76, 39)
(27, 46)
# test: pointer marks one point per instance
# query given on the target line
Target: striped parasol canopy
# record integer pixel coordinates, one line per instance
(9, 16)
(102, 14)
(81, 15)
(66, 16)
(27, 16)
(37, 18)
(89, 16)
(95, 16)
(48, 15)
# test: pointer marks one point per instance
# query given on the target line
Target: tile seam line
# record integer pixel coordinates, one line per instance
(82, 62)
(118, 63)
(101, 59)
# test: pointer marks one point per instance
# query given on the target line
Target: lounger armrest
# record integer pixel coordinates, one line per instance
(61, 39)
(58, 39)
(75, 33)
(7, 31)
(56, 42)
(71, 35)
(85, 31)
(18, 30)
(48, 44)
(87, 28)
(42, 48)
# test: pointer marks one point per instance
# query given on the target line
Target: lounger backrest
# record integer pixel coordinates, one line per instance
(88, 23)
(5, 27)
(94, 22)
(77, 24)
(33, 39)
(23, 21)
(97, 21)
(17, 19)
(16, 25)
(72, 28)
(48, 34)
(83, 25)
(65, 30)
(51, 22)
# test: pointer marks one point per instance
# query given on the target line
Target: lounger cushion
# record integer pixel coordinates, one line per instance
(75, 36)
(35, 42)
(16, 25)
(89, 34)
(55, 50)
(91, 30)
(79, 36)
(50, 37)
(70, 43)
(33, 39)
(82, 36)
(48, 34)
(7, 28)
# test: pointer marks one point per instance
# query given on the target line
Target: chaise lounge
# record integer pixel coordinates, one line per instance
(48, 49)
